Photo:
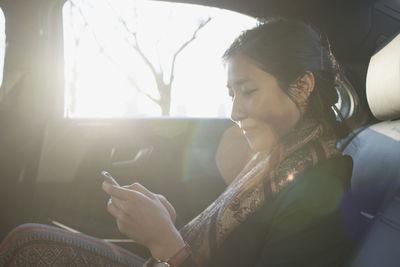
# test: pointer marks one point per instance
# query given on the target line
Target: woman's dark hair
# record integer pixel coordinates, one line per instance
(287, 49)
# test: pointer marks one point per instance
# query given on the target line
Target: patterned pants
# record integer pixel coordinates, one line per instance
(42, 245)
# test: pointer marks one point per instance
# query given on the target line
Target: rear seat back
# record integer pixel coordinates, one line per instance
(376, 154)
(376, 171)
(381, 243)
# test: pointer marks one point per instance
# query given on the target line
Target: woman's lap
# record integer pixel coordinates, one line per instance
(42, 245)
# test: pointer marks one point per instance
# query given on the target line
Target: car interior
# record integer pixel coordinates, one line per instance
(50, 165)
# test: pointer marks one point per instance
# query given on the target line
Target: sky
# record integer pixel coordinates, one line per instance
(100, 61)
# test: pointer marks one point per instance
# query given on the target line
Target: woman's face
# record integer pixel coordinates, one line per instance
(260, 107)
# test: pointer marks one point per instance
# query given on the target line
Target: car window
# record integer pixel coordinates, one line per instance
(128, 58)
(2, 43)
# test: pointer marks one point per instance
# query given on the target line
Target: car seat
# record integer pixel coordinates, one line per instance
(376, 154)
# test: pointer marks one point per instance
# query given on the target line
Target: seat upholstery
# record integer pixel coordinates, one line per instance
(376, 169)
(381, 245)
(376, 155)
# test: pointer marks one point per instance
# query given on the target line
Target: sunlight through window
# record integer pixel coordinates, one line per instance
(2, 44)
(126, 58)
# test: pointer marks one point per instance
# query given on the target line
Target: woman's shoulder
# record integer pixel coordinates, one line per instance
(339, 167)
(318, 190)
(305, 218)
(326, 175)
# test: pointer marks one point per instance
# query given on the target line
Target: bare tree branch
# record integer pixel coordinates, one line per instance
(157, 75)
(157, 45)
(136, 44)
(201, 25)
(86, 24)
(133, 81)
(164, 88)
(111, 60)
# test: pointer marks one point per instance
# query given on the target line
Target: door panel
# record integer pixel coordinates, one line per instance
(174, 157)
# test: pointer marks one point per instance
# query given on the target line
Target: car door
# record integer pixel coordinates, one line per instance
(51, 163)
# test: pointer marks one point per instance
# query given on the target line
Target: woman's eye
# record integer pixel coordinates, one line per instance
(249, 91)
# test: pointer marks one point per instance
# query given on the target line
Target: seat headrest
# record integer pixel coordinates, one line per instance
(383, 81)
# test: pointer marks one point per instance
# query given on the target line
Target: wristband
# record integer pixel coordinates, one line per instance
(177, 259)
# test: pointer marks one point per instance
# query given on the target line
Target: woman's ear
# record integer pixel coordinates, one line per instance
(301, 89)
(306, 82)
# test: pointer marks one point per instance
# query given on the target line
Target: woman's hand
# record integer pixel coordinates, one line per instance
(146, 218)
(163, 200)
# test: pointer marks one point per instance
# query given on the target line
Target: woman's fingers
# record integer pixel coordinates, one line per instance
(118, 203)
(141, 189)
(168, 206)
(121, 217)
(141, 215)
(114, 210)
(121, 192)
(113, 190)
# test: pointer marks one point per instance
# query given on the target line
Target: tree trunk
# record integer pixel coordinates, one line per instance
(165, 109)
(165, 105)
(165, 98)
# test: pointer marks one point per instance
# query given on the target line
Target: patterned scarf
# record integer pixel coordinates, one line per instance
(263, 177)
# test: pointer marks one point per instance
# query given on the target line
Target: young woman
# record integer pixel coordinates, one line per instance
(283, 209)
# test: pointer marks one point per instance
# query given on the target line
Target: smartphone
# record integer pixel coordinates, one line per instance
(109, 179)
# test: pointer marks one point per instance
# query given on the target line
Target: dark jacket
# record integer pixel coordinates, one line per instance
(303, 225)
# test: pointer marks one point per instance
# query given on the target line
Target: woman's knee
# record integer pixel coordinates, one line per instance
(29, 232)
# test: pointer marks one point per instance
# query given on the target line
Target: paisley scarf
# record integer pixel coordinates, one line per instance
(263, 177)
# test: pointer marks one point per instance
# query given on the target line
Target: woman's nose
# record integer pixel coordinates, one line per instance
(238, 112)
